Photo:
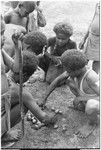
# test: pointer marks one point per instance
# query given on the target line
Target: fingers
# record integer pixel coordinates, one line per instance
(21, 37)
(23, 31)
(17, 36)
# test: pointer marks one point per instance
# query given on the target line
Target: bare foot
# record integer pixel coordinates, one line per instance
(11, 136)
(85, 131)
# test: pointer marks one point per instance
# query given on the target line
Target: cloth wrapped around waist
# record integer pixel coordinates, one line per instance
(92, 47)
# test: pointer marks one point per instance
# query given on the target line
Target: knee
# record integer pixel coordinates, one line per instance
(92, 106)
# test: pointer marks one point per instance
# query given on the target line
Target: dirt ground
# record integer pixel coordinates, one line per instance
(79, 14)
(48, 137)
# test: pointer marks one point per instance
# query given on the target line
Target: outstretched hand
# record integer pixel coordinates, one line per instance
(17, 36)
(41, 104)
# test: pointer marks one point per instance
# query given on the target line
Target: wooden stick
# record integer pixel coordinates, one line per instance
(21, 86)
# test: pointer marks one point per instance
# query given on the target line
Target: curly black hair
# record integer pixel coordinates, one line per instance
(73, 60)
(36, 41)
(64, 28)
(28, 5)
(30, 63)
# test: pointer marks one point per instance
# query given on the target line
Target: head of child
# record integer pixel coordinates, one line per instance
(30, 63)
(26, 7)
(14, 4)
(63, 32)
(2, 40)
(74, 62)
(35, 41)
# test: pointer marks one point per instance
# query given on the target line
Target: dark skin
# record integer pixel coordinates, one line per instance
(13, 64)
(18, 16)
(69, 78)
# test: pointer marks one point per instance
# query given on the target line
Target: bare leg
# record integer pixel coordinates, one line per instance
(92, 110)
(47, 118)
(13, 135)
(30, 104)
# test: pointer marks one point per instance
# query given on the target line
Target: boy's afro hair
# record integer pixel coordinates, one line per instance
(36, 41)
(64, 28)
(73, 60)
(30, 63)
(28, 5)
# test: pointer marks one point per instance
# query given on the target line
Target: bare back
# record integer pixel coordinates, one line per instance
(90, 84)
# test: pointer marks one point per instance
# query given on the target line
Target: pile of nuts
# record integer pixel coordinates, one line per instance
(37, 124)
(35, 121)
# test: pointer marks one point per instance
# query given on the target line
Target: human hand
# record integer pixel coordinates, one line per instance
(58, 62)
(44, 50)
(18, 35)
(41, 104)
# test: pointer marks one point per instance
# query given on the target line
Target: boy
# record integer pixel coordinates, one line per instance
(36, 19)
(83, 83)
(12, 89)
(35, 41)
(19, 15)
(57, 45)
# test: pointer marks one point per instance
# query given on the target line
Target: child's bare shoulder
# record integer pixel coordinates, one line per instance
(7, 16)
(92, 77)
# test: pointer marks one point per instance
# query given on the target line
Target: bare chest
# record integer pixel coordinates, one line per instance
(15, 19)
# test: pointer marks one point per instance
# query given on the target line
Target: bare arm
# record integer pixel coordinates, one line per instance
(93, 82)
(54, 84)
(13, 64)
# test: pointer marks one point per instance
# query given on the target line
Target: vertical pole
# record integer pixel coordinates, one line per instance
(21, 87)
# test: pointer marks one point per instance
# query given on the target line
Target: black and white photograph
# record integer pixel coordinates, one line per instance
(50, 74)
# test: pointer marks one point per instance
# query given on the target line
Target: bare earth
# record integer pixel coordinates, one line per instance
(48, 137)
(80, 15)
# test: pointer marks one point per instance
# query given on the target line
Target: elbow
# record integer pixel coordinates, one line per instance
(15, 69)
